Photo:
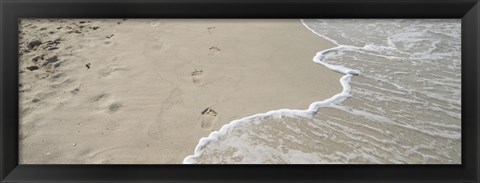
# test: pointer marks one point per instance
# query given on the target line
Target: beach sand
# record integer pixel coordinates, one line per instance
(145, 91)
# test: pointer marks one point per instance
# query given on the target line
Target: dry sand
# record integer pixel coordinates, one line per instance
(145, 91)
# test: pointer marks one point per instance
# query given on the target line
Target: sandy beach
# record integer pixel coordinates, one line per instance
(145, 91)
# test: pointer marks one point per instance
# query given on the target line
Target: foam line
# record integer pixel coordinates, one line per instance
(312, 109)
(322, 36)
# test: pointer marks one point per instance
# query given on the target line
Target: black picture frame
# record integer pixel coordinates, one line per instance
(11, 11)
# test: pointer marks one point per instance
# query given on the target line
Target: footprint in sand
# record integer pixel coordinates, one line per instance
(107, 43)
(213, 51)
(196, 76)
(211, 30)
(32, 68)
(114, 107)
(209, 116)
(99, 97)
(75, 90)
(105, 102)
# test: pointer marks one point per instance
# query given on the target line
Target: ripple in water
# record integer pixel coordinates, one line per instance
(404, 107)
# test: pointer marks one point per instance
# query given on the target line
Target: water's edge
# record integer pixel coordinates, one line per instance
(310, 112)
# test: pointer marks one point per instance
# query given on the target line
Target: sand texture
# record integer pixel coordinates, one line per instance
(145, 91)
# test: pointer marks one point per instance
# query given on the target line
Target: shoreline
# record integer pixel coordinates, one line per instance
(338, 133)
(154, 87)
(292, 113)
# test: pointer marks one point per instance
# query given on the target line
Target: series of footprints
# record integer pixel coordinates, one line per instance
(44, 54)
(208, 115)
(212, 51)
(105, 101)
(49, 52)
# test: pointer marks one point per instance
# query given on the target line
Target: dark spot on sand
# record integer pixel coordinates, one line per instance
(34, 43)
(54, 42)
(75, 91)
(82, 22)
(88, 66)
(114, 107)
(35, 100)
(50, 60)
(95, 28)
(110, 36)
(32, 68)
(215, 48)
(35, 59)
(74, 31)
(99, 97)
